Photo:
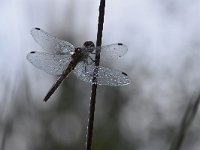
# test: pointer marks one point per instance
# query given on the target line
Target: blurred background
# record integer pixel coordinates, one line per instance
(163, 38)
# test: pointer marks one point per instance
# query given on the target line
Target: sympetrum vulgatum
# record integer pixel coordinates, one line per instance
(65, 58)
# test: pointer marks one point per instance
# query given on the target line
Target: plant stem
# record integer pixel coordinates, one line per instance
(89, 133)
(185, 124)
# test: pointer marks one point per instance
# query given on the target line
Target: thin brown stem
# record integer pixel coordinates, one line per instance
(89, 133)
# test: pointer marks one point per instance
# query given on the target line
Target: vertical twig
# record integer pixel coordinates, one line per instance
(94, 86)
(185, 124)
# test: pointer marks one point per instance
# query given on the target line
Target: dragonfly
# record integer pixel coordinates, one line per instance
(61, 58)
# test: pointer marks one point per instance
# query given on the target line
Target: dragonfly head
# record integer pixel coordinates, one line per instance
(89, 45)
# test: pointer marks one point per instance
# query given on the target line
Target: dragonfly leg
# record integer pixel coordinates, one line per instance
(89, 62)
(91, 59)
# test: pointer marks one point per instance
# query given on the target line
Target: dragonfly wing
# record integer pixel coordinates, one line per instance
(106, 76)
(112, 52)
(53, 64)
(48, 42)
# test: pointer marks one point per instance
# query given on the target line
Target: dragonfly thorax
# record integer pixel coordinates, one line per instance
(79, 55)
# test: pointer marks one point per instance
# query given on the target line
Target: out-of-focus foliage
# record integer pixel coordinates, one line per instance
(162, 62)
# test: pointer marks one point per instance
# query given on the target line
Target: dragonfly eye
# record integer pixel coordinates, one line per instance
(88, 44)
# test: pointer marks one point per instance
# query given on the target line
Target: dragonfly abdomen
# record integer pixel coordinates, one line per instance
(66, 72)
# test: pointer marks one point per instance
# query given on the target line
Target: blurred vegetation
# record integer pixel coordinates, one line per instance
(63, 125)
(36, 124)
(137, 118)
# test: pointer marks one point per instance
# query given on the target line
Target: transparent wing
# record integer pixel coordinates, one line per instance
(48, 42)
(112, 52)
(106, 76)
(51, 63)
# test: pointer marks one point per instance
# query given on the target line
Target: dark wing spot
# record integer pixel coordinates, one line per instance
(32, 52)
(120, 44)
(37, 28)
(124, 73)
